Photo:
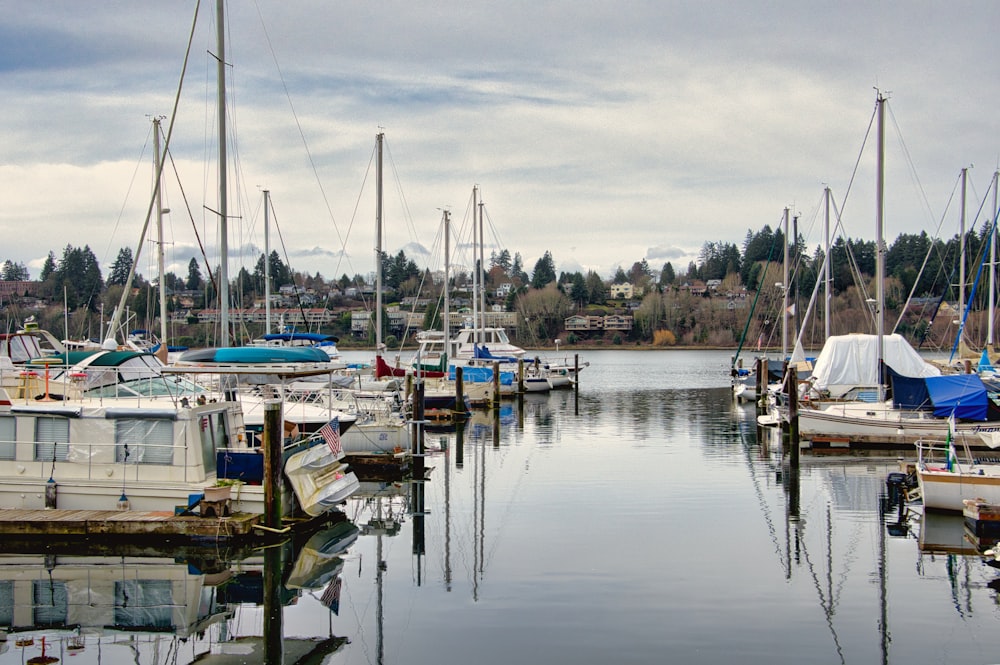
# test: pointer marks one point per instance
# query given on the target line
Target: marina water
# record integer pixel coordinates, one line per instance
(640, 521)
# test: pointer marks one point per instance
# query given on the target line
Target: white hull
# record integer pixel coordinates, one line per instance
(878, 423)
(946, 490)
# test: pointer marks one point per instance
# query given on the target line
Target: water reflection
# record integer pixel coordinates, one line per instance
(658, 520)
(193, 603)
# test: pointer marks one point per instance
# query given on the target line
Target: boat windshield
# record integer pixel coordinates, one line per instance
(157, 386)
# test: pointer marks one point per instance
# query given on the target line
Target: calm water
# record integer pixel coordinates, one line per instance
(650, 527)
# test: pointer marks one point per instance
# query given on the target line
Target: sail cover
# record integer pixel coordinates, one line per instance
(851, 361)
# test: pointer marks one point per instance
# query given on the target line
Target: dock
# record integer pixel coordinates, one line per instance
(124, 523)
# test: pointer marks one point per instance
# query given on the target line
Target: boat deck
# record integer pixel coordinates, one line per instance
(123, 523)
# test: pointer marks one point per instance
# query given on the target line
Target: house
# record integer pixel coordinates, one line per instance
(579, 322)
(620, 291)
(504, 289)
(618, 322)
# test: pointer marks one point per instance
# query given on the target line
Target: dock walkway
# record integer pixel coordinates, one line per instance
(125, 523)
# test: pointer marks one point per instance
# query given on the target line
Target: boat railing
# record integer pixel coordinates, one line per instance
(935, 454)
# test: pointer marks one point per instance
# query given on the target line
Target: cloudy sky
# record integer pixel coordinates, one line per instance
(602, 132)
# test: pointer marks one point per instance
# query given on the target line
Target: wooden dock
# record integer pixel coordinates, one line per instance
(123, 523)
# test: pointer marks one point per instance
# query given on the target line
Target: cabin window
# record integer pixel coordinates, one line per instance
(144, 604)
(51, 439)
(144, 441)
(49, 603)
(8, 437)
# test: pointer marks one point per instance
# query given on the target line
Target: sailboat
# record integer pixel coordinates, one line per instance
(922, 400)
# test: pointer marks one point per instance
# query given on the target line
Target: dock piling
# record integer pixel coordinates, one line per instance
(272, 445)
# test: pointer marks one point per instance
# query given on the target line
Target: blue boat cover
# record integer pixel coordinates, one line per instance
(483, 353)
(961, 394)
(481, 375)
(908, 392)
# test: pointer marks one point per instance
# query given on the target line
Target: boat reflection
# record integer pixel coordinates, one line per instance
(178, 606)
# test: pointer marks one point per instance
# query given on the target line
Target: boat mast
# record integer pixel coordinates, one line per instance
(378, 243)
(475, 272)
(446, 326)
(880, 242)
(784, 295)
(961, 254)
(481, 269)
(993, 265)
(161, 352)
(223, 185)
(826, 267)
(267, 262)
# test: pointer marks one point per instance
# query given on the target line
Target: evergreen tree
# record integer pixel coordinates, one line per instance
(194, 280)
(544, 273)
(667, 275)
(121, 267)
(14, 272)
(48, 267)
(578, 292)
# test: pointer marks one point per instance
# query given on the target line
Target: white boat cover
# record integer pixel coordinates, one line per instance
(850, 361)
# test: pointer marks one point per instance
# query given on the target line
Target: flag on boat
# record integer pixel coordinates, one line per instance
(952, 455)
(760, 340)
(331, 596)
(331, 434)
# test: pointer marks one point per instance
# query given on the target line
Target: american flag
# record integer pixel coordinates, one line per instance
(331, 434)
(331, 597)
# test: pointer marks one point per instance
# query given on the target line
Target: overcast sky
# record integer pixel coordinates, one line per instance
(603, 132)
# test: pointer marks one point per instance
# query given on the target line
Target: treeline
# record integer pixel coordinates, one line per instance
(542, 297)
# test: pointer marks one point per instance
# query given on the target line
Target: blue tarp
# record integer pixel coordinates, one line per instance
(961, 394)
(483, 353)
(908, 392)
(472, 374)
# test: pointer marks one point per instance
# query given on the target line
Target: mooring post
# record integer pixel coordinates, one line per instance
(576, 384)
(520, 375)
(761, 385)
(459, 394)
(496, 386)
(792, 386)
(418, 430)
(272, 444)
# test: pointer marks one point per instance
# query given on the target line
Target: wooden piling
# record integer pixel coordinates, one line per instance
(520, 375)
(792, 386)
(761, 385)
(418, 430)
(272, 446)
(576, 384)
(496, 386)
(459, 394)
